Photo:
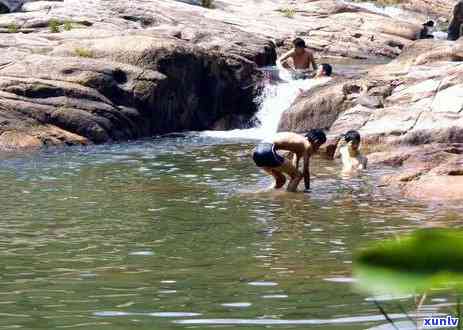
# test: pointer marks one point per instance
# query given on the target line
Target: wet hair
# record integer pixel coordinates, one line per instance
(299, 43)
(353, 136)
(429, 23)
(316, 136)
(327, 68)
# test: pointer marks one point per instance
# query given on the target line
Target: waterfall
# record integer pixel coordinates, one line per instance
(275, 99)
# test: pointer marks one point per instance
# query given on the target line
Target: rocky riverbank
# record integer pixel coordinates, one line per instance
(97, 71)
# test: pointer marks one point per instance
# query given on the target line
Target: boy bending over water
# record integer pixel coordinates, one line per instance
(348, 149)
(266, 157)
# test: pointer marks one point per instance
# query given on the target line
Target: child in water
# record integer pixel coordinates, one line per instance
(348, 148)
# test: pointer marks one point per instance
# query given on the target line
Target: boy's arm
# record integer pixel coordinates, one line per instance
(285, 56)
(296, 160)
(365, 162)
(312, 61)
(306, 172)
(283, 60)
(341, 143)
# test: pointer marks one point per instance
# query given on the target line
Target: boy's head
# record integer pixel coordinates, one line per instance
(325, 70)
(299, 45)
(429, 24)
(352, 138)
(316, 137)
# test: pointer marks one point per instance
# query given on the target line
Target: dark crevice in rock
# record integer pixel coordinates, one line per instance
(4, 9)
(145, 21)
(201, 90)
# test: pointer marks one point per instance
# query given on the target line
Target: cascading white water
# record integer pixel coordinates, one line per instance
(275, 99)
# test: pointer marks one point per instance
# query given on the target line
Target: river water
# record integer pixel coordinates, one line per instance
(173, 233)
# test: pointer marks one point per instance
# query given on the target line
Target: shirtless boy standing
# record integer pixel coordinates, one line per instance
(302, 59)
(266, 157)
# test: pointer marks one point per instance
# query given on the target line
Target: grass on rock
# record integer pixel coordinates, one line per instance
(83, 52)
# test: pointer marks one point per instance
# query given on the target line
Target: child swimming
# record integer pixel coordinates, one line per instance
(348, 149)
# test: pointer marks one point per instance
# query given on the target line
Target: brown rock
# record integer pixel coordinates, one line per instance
(429, 172)
(15, 140)
(320, 106)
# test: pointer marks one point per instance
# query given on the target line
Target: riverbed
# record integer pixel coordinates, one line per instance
(173, 233)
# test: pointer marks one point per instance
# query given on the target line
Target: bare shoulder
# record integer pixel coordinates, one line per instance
(309, 53)
(285, 137)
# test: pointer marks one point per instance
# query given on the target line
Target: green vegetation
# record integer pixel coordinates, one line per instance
(413, 264)
(13, 28)
(83, 52)
(207, 3)
(54, 25)
(425, 259)
(67, 26)
(288, 12)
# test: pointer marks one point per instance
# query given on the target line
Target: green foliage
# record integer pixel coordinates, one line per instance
(54, 25)
(13, 28)
(414, 263)
(288, 12)
(207, 3)
(83, 52)
(67, 26)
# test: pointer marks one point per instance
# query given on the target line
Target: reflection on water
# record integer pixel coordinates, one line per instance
(169, 233)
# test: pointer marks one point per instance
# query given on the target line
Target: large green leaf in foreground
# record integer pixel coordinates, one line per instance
(426, 259)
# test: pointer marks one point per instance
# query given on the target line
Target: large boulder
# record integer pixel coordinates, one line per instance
(430, 172)
(330, 104)
(98, 82)
(318, 107)
(173, 88)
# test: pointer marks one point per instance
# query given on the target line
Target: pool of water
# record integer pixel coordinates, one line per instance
(170, 233)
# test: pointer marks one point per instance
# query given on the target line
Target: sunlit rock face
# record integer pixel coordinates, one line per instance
(91, 73)
(411, 109)
(117, 70)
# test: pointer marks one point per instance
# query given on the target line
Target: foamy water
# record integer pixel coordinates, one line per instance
(275, 99)
(383, 10)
